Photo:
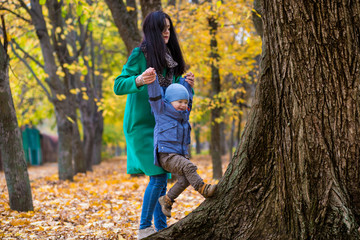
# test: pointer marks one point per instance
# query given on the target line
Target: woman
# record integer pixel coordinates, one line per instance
(160, 50)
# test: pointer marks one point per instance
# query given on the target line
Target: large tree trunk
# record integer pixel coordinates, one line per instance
(295, 174)
(148, 6)
(65, 131)
(78, 154)
(125, 23)
(215, 141)
(125, 19)
(13, 158)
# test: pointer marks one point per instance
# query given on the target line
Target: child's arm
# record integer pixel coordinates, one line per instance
(155, 98)
(190, 90)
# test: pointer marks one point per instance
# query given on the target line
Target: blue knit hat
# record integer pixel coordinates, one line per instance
(176, 92)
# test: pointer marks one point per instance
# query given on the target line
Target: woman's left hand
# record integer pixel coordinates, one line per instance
(190, 79)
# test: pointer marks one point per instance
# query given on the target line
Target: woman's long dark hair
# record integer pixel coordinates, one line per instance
(155, 46)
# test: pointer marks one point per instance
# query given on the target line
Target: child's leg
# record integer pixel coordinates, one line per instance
(186, 171)
(180, 186)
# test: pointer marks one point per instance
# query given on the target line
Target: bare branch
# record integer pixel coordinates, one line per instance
(32, 71)
(82, 46)
(83, 41)
(17, 15)
(23, 5)
(27, 54)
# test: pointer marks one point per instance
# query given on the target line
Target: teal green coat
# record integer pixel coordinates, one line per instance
(139, 122)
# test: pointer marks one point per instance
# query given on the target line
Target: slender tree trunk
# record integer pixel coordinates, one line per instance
(98, 118)
(296, 172)
(197, 138)
(238, 133)
(1, 164)
(223, 144)
(99, 129)
(91, 118)
(215, 142)
(13, 158)
(231, 141)
(89, 137)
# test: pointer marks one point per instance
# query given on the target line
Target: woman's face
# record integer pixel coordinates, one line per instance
(166, 31)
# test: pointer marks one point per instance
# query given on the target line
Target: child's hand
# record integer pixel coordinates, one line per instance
(190, 79)
(148, 76)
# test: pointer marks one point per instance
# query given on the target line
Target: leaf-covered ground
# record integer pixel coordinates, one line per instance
(103, 204)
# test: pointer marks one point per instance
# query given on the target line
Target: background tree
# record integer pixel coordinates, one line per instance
(59, 83)
(219, 45)
(216, 140)
(101, 54)
(13, 159)
(294, 174)
(76, 83)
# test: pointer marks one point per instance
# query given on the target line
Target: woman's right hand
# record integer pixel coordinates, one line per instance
(149, 75)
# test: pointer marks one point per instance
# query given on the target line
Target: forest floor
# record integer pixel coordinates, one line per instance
(102, 204)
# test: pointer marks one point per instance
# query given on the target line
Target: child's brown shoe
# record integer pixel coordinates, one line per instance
(207, 190)
(166, 205)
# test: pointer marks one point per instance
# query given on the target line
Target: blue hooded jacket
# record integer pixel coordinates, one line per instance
(172, 127)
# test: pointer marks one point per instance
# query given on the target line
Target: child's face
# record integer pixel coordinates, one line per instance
(180, 105)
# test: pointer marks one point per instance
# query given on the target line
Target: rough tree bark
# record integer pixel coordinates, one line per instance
(295, 174)
(13, 158)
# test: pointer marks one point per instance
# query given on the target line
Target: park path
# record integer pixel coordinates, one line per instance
(36, 172)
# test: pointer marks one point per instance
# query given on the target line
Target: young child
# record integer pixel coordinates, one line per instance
(171, 139)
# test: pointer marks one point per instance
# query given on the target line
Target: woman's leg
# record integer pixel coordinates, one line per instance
(159, 217)
(152, 193)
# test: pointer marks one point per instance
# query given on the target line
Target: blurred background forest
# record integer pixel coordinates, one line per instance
(65, 55)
